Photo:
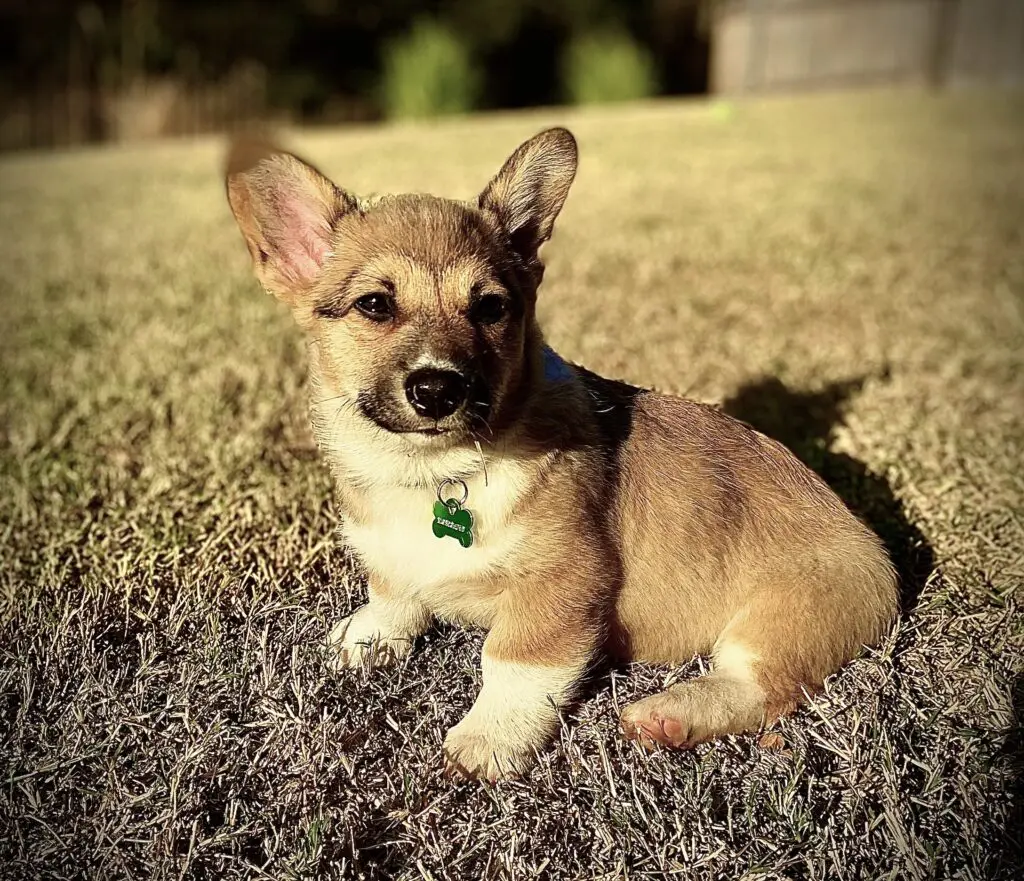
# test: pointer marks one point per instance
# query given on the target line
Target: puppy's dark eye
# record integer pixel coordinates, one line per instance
(376, 307)
(488, 309)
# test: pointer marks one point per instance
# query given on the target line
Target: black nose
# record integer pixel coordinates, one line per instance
(435, 393)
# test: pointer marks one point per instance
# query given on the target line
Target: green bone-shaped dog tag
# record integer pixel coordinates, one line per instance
(454, 520)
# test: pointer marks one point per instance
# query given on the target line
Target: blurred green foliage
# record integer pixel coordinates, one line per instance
(605, 66)
(325, 59)
(427, 72)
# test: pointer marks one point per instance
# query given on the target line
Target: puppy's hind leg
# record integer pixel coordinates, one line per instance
(779, 647)
(729, 700)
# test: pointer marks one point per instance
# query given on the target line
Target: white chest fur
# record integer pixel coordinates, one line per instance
(396, 542)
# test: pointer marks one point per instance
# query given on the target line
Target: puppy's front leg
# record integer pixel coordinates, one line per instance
(529, 671)
(384, 628)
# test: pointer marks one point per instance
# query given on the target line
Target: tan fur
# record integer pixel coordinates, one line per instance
(608, 519)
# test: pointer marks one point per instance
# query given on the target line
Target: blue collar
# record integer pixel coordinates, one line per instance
(555, 369)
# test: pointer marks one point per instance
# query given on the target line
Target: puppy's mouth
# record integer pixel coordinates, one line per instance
(466, 422)
(379, 416)
(426, 432)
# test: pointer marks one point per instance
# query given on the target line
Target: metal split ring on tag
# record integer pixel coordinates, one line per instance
(450, 518)
(452, 481)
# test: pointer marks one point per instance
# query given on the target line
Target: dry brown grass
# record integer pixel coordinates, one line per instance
(847, 273)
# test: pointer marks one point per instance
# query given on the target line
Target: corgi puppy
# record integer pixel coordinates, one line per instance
(483, 479)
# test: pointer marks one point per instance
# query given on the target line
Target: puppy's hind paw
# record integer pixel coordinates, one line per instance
(651, 722)
(696, 711)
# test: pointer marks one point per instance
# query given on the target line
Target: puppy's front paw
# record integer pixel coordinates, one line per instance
(360, 638)
(474, 752)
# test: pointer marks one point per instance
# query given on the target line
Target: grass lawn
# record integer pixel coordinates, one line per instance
(846, 273)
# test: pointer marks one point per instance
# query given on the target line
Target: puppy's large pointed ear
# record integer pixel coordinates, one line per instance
(287, 212)
(530, 190)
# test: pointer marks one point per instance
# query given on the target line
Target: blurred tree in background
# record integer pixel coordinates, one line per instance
(603, 66)
(102, 66)
(428, 72)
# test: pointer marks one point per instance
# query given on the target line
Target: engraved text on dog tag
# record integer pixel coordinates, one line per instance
(453, 520)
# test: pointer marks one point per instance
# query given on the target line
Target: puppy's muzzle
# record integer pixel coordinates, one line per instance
(436, 393)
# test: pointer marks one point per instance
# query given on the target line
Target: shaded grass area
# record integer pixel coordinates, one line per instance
(806, 422)
(847, 274)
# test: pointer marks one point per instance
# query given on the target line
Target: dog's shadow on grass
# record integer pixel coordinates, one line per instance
(1011, 856)
(806, 421)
